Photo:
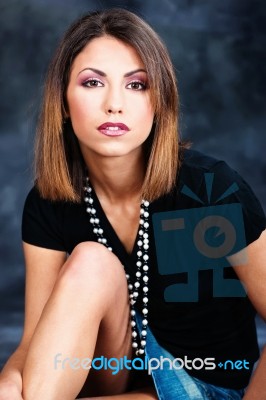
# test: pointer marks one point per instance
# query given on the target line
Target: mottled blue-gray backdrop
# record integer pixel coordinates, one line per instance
(218, 48)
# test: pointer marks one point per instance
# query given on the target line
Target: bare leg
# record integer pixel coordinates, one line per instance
(86, 313)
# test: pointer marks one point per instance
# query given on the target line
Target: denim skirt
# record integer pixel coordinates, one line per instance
(177, 384)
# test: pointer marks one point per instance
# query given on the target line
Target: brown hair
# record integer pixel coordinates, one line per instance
(59, 166)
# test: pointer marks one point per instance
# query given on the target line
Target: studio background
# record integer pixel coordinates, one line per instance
(218, 49)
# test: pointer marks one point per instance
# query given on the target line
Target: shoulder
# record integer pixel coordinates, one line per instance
(194, 162)
(42, 221)
(35, 204)
(210, 182)
(196, 167)
(204, 173)
(193, 159)
(57, 225)
(200, 169)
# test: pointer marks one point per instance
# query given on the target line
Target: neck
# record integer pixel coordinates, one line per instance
(117, 179)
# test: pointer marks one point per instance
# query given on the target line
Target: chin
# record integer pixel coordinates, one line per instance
(118, 152)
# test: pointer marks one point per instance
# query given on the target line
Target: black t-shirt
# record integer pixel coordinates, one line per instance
(196, 307)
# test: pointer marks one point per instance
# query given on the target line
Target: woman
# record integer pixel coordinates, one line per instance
(111, 181)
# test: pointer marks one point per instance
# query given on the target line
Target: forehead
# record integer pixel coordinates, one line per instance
(107, 51)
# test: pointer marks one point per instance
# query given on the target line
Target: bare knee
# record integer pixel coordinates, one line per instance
(92, 265)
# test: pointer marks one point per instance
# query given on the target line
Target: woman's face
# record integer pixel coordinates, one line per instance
(109, 99)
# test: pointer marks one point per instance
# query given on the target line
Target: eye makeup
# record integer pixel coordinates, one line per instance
(137, 84)
(92, 82)
(87, 76)
(91, 77)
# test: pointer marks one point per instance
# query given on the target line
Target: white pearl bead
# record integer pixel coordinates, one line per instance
(134, 334)
(146, 214)
(95, 230)
(145, 268)
(137, 284)
(144, 322)
(146, 203)
(132, 302)
(140, 243)
(139, 253)
(104, 241)
(127, 276)
(146, 224)
(145, 279)
(91, 201)
(143, 343)
(100, 231)
(130, 286)
(96, 220)
(145, 311)
(138, 274)
(140, 351)
(141, 221)
(88, 209)
(133, 313)
(145, 289)
(99, 240)
(138, 263)
(146, 235)
(135, 294)
(145, 300)
(92, 220)
(86, 199)
(110, 249)
(146, 241)
(145, 257)
(142, 211)
(135, 345)
(144, 333)
(146, 247)
(133, 323)
(93, 211)
(141, 232)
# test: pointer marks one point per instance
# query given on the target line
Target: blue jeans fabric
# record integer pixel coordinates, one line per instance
(177, 384)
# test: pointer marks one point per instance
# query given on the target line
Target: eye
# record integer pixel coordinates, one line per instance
(92, 82)
(137, 85)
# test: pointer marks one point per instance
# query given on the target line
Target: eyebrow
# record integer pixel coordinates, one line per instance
(101, 73)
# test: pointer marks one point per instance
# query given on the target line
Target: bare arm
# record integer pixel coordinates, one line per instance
(257, 387)
(42, 269)
(253, 275)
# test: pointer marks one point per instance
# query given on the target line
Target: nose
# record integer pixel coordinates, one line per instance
(114, 101)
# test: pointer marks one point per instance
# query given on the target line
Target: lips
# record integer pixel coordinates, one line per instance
(113, 129)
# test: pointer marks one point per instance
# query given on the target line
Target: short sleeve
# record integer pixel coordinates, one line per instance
(230, 187)
(42, 222)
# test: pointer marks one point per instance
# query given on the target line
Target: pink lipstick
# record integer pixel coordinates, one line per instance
(113, 129)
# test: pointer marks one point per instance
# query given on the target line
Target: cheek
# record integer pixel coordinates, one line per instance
(149, 108)
(77, 101)
(144, 110)
(79, 109)
(148, 114)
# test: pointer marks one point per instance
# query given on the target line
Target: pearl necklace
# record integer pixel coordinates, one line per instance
(141, 264)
